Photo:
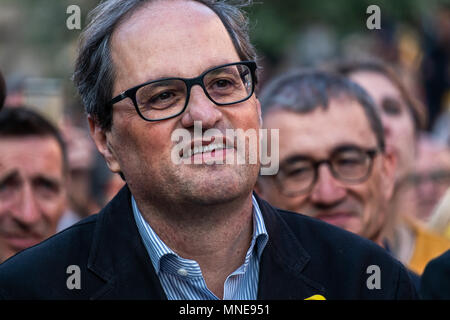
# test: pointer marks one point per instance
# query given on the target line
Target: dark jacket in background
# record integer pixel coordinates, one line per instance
(435, 281)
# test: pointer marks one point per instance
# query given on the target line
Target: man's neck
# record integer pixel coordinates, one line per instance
(217, 237)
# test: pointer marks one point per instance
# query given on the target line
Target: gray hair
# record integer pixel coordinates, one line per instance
(304, 91)
(94, 71)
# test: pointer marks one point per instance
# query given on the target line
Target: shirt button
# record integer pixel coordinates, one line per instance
(182, 272)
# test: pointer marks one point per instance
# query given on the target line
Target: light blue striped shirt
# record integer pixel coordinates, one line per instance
(182, 279)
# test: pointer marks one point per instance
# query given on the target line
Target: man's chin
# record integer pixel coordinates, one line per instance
(217, 193)
(220, 186)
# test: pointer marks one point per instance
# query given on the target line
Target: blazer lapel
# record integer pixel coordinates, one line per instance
(119, 257)
(282, 262)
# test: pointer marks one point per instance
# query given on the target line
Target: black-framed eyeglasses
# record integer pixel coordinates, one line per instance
(437, 177)
(348, 164)
(167, 98)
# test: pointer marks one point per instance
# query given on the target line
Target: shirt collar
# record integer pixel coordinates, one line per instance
(260, 234)
(157, 249)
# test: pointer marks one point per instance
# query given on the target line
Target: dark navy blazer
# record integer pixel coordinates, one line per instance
(436, 278)
(303, 257)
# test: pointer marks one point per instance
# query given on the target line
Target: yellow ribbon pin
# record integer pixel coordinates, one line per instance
(316, 297)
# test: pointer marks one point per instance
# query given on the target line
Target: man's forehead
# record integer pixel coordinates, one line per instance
(164, 37)
(320, 131)
(26, 140)
(379, 86)
(36, 149)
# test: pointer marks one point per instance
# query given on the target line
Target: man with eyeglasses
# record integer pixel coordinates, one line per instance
(402, 117)
(333, 161)
(430, 178)
(177, 230)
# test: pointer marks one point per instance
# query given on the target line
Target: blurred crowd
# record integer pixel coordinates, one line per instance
(406, 209)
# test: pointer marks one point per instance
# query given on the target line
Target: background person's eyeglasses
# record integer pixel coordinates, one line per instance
(437, 177)
(167, 98)
(347, 164)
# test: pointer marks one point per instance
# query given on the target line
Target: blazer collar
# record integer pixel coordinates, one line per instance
(282, 264)
(118, 257)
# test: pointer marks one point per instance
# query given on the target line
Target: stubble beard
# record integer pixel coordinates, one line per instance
(211, 185)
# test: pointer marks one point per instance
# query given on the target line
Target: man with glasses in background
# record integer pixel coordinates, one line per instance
(430, 178)
(333, 161)
(186, 230)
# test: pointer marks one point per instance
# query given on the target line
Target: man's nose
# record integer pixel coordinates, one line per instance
(327, 190)
(27, 207)
(200, 108)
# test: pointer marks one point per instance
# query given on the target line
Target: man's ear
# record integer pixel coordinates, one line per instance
(389, 170)
(102, 141)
